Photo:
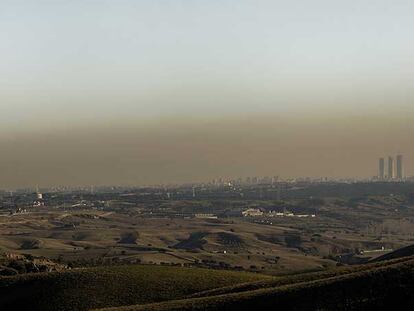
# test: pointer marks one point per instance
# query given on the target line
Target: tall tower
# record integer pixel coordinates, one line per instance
(391, 174)
(400, 167)
(381, 169)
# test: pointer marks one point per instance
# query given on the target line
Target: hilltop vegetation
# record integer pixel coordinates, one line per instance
(84, 289)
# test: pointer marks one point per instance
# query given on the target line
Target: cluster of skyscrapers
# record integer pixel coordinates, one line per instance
(394, 170)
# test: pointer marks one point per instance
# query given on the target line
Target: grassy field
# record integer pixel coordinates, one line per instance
(380, 287)
(84, 289)
(348, 231)
(112, 237)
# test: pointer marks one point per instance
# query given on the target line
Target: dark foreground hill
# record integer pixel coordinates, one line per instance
(85, 289)
(376, 286)
(384, 286)
(399, 253)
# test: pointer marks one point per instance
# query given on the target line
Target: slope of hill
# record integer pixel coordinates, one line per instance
(293, 279)
(399, 253)
(381, 287)
(84, 289)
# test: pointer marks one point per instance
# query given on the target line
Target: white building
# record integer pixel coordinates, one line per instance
(252, 212)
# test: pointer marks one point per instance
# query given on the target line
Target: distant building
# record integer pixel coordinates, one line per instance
(289, 214)
(205, 216)
(381, 169)
(400, 167)
(252, 212)
(275, 214)
(391, 174)
(305, 215)
(39, 201)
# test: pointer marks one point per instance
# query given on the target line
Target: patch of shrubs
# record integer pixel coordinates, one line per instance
(15, 266)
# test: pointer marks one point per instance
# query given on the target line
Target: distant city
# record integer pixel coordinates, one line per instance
(390, 169)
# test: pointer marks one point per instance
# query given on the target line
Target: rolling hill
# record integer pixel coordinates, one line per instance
(374, 287)
(84, 289)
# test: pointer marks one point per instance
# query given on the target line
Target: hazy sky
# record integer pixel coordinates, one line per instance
(137, 92)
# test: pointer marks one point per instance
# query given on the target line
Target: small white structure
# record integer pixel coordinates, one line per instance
(205, 216)
(252, 212)
(289, 214)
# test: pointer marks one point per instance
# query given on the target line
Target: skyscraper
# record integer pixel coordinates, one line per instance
(391, 174)
(400, 168)
(381, 169)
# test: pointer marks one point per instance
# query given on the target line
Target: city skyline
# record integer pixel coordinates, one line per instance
(395, 168)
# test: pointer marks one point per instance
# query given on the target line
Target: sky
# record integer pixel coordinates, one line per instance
(144, 92)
